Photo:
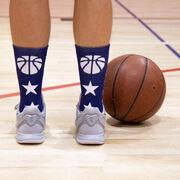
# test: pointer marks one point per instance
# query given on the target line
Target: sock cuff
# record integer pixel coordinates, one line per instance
(31, 51)
(82, 48)
(23, 51)
(14, 46)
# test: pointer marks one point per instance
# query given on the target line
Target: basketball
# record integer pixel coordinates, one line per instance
(97, 62)
(29, 64)
(134, 88)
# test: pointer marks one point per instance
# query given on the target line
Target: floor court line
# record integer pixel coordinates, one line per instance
(43, 89)
(3, 96)
(147, 27)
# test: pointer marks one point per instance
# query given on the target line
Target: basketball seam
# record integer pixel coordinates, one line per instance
(92, 63)
(35, 66)
(29, 68)
(37, 61)
(113, 90)
(98, 65)
(85, 65)
(34, 58)
(142, 82)
(23, 64)
(34, 61)
(101, 60)
(155, 103)
(20, 60)
(84, 60)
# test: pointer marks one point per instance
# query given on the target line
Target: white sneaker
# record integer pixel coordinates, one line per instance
(90, 125)
(30, 124)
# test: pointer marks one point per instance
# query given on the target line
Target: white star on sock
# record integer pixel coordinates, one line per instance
(88, 106)
(90, 88)
(30, 88)
(32, 105)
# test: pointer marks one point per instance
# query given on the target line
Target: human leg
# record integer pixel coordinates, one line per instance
(92, 30)
(30, 29)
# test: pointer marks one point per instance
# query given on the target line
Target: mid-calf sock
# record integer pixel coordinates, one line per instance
(92, 64)
(30, 69)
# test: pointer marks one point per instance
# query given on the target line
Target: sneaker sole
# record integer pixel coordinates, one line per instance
(90, 139)
(30, 138)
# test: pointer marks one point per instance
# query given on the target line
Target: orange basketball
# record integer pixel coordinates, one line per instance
(134, 88)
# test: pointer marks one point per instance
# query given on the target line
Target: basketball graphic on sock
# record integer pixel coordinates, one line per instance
(92, 64)
(29, 64)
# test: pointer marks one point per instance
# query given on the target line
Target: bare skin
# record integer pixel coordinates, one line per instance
(92, 22)
(30, 23)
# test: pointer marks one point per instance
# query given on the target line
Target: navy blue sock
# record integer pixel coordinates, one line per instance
(92, 63)
(30, 68)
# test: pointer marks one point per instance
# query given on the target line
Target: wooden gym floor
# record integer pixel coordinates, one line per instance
(142, 152)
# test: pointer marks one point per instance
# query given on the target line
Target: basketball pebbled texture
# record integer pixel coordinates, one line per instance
(134, 88)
